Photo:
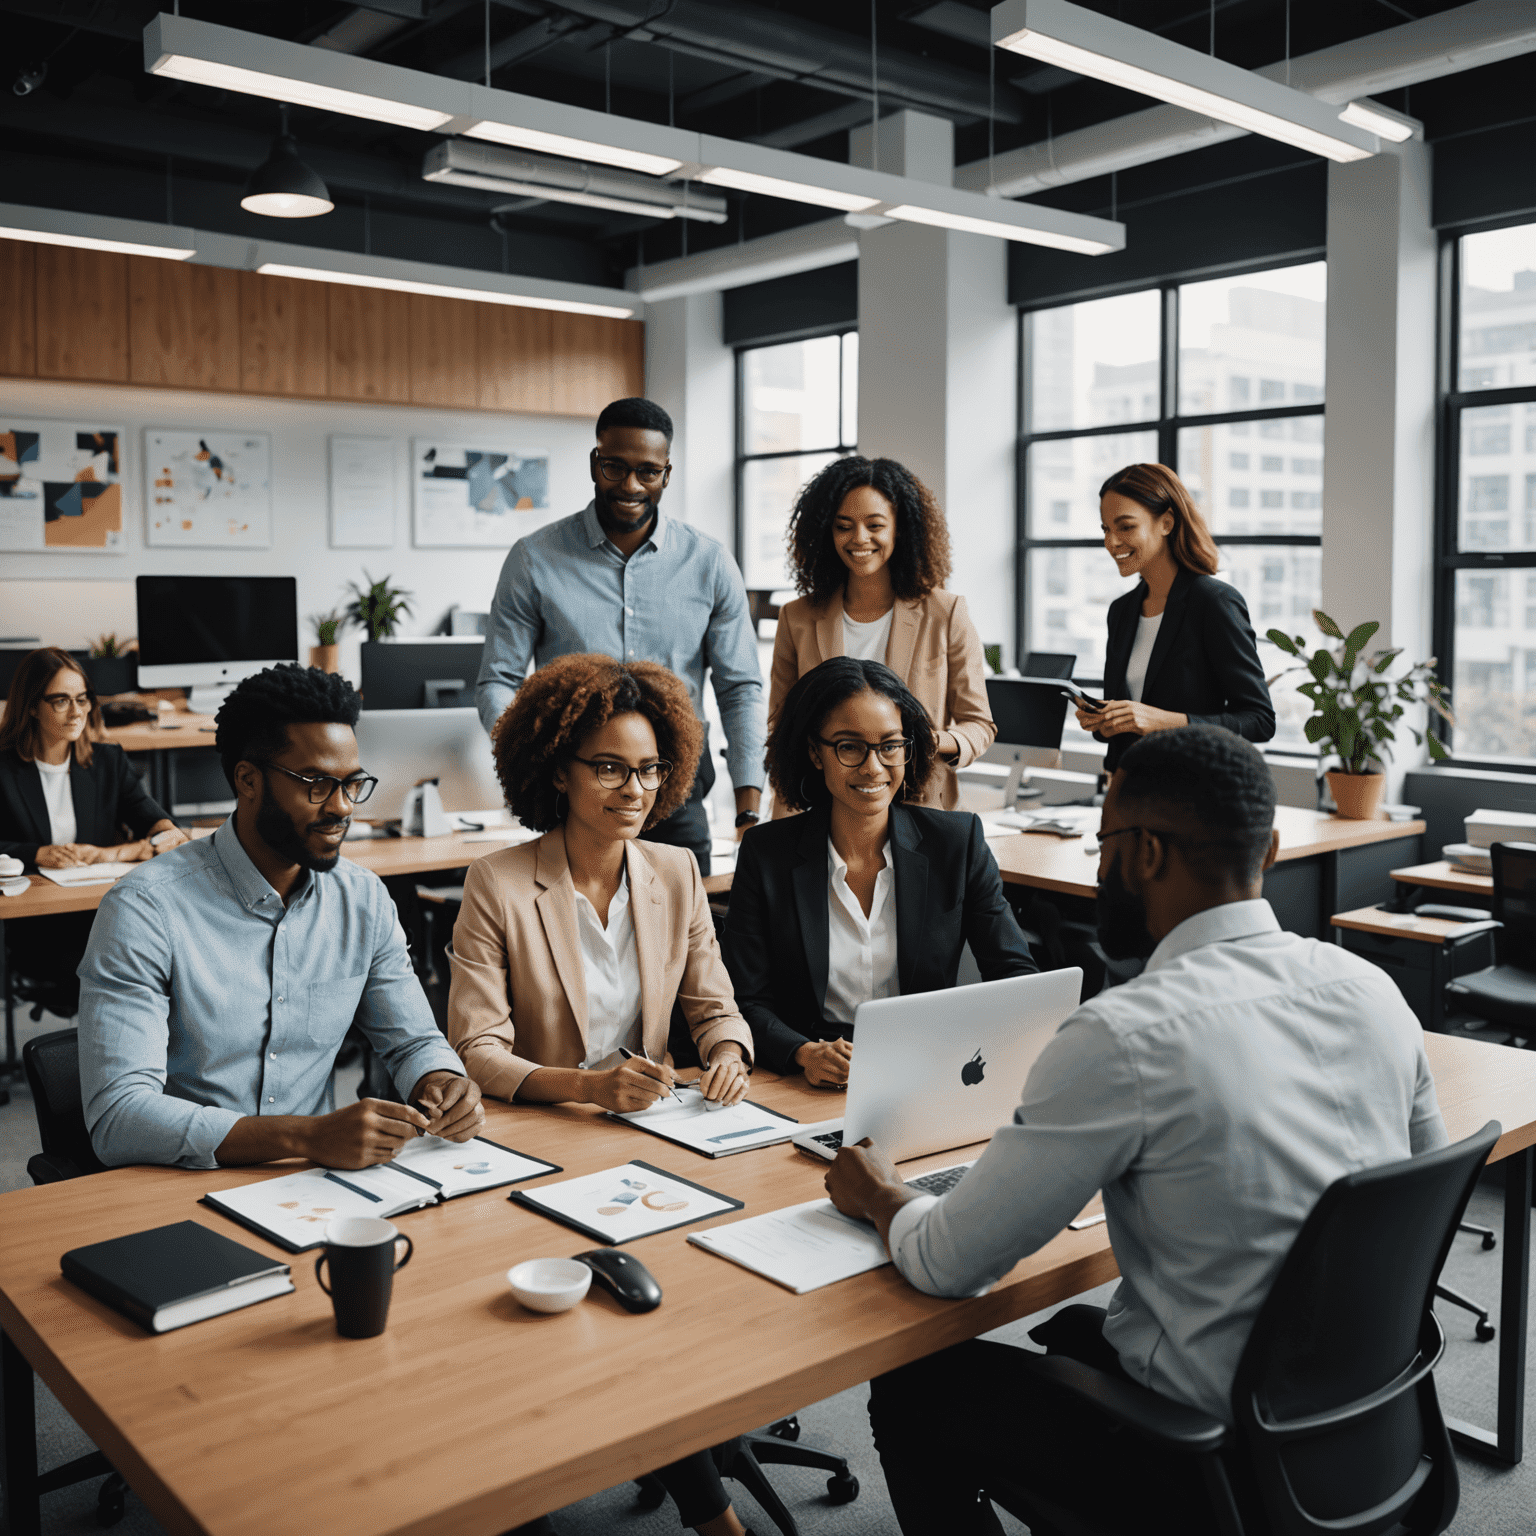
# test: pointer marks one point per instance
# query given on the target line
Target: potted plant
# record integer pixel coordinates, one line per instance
(377, 607)
(110, 666)
(1357, 706)
(325, 653)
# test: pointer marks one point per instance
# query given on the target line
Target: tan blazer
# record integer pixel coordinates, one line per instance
(518, 997)
(934, 649)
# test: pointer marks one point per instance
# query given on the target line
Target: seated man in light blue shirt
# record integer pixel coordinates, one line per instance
(220, 980)
(1213, 1099)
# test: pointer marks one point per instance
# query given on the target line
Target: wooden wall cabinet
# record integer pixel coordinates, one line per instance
(97, 316)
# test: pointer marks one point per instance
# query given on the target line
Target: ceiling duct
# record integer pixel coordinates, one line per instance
(469, 163)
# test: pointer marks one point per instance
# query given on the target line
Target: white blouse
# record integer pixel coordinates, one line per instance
(59, 799)
(612, 970)
(1141, 655)
(861, 951)
(867, 642)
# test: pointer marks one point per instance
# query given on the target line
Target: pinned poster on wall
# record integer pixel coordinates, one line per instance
(362, 493)
(472, 498)
(208, 490)
(61, 486)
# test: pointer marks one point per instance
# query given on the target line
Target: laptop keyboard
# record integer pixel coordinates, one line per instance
(940, 1181)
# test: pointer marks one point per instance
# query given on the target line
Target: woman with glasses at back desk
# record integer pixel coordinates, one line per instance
(66, 800)
(867, 895)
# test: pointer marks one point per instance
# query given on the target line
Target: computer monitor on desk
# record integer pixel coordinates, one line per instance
(1030, 713)
(433, 672)
(401, 747)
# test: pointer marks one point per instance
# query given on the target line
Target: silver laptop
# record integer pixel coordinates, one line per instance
(944, 1069)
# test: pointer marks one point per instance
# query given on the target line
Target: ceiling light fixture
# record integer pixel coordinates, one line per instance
(1102, 48)
(794, 191)
(1027, 234)
(282, 186)
(1382, 121)
(95, 232)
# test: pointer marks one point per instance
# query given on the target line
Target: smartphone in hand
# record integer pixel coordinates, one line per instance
(1084, 701)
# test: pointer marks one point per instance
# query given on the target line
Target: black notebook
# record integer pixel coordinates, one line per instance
(170, 1276)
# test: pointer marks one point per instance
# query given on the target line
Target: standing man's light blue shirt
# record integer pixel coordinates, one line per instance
(203, 1000)
(678, 600)
(1213, 1099)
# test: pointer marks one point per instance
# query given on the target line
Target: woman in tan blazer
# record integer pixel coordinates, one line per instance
(573, 949)
(870, 553)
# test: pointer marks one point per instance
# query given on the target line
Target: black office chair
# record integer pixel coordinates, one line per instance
(1049, 664)
(1337, 1424)
(1504, 993)
(52, 1065)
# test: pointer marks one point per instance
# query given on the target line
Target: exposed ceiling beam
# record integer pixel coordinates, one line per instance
(825, 244)
(850, 115)
(522, 44)
(729, 89)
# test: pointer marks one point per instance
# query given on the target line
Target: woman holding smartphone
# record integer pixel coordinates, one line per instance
(1181, 649)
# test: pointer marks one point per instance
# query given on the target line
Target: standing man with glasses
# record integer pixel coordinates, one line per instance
(219, 982)
(620, 580)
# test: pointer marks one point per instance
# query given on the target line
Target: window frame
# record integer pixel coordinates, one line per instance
(741, 458)
(1167, 425)
(1450, 404)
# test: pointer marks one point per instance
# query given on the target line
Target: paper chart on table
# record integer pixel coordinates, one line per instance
(87, 874)
(713, 1132)
(620, 1204)
(802, 1247)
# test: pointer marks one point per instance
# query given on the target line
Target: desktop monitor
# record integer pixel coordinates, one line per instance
(431, 672)
(401, 747)
(209, 632)
(1030, 713)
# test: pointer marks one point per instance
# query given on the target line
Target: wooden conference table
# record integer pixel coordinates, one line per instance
(470, 1415)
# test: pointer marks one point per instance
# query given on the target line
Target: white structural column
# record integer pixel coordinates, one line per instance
(938, 369)
(689, 371)
(1379, 492)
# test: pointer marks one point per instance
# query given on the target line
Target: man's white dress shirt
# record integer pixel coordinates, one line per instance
(861, 951)
(612, 971)
(1213, 1099)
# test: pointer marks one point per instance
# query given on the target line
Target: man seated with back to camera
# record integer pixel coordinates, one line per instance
(1213, 1099)
(220, 979)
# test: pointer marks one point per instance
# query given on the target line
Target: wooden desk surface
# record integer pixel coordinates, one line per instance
(1441, 876)
(147, 736)
(1402, 925)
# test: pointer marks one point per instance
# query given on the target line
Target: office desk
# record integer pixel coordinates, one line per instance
(470, 1415)
(1418, 879)
(192, 732)
(1420, 954)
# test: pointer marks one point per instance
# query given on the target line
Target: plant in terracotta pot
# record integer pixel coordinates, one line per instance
(325, 653)
(1357, 706)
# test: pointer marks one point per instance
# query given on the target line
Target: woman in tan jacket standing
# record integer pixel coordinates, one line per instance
(870, 553)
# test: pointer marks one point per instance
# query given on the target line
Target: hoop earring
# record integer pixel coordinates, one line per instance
(559, 814)
(805, 799)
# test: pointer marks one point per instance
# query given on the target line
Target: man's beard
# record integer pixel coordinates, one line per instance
(1122, 919)
(612, 522)
(276, 829)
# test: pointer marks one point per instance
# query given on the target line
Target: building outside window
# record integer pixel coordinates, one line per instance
(1485, 610)
(797, 410)
(1222, 380)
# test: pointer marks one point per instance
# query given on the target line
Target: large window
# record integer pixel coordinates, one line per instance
(797, 410)
(1485, 611)
(1222, 380)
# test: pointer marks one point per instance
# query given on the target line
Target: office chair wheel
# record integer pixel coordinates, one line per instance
(1490, 1241)
(650, 1492)
(111, 1501)
(786, 1429)
(1485, 1331)
(842, 1490)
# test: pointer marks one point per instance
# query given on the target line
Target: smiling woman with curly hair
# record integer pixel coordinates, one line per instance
(870, 553)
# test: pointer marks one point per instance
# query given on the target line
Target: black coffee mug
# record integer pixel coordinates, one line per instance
(360, 1253)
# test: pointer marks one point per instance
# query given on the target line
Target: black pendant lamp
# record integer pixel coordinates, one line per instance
(283, 187)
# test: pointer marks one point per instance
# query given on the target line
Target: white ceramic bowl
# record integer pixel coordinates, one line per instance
(549, 1285)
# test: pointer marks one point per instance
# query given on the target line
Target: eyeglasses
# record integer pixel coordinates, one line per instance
(854, 754)
(322, 786)
(613, 775)
(62, 703)
(615, 471)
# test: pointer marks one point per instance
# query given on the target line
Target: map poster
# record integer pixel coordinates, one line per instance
(61, 486)
(473, 498)
(208, 490)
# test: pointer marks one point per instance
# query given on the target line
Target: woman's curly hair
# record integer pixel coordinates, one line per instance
(804, 712)
(569, 698)
(920, 560)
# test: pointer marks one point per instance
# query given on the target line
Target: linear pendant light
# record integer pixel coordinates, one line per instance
(1382, 121)
(95, 232)
(1086, 43)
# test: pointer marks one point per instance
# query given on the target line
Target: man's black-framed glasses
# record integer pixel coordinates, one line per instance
(612, 775)
(854, 754)
(357, 787)
(616, 471)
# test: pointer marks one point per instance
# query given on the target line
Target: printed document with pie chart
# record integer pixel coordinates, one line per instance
(634, 1200)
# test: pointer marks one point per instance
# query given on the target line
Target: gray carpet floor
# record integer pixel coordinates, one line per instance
(1494, 1502)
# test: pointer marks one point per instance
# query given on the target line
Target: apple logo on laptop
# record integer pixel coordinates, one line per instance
(973, 1071)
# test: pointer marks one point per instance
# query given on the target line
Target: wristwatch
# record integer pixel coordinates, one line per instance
(747, 818)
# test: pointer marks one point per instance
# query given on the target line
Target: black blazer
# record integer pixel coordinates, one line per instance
(108, 796)
(1205, 663)
(948, 892)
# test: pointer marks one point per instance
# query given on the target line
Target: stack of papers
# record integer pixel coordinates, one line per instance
(802, 1247)
(87, 874)
(691, 1122)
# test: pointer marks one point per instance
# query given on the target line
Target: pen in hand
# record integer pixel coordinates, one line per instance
(629, 1055)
